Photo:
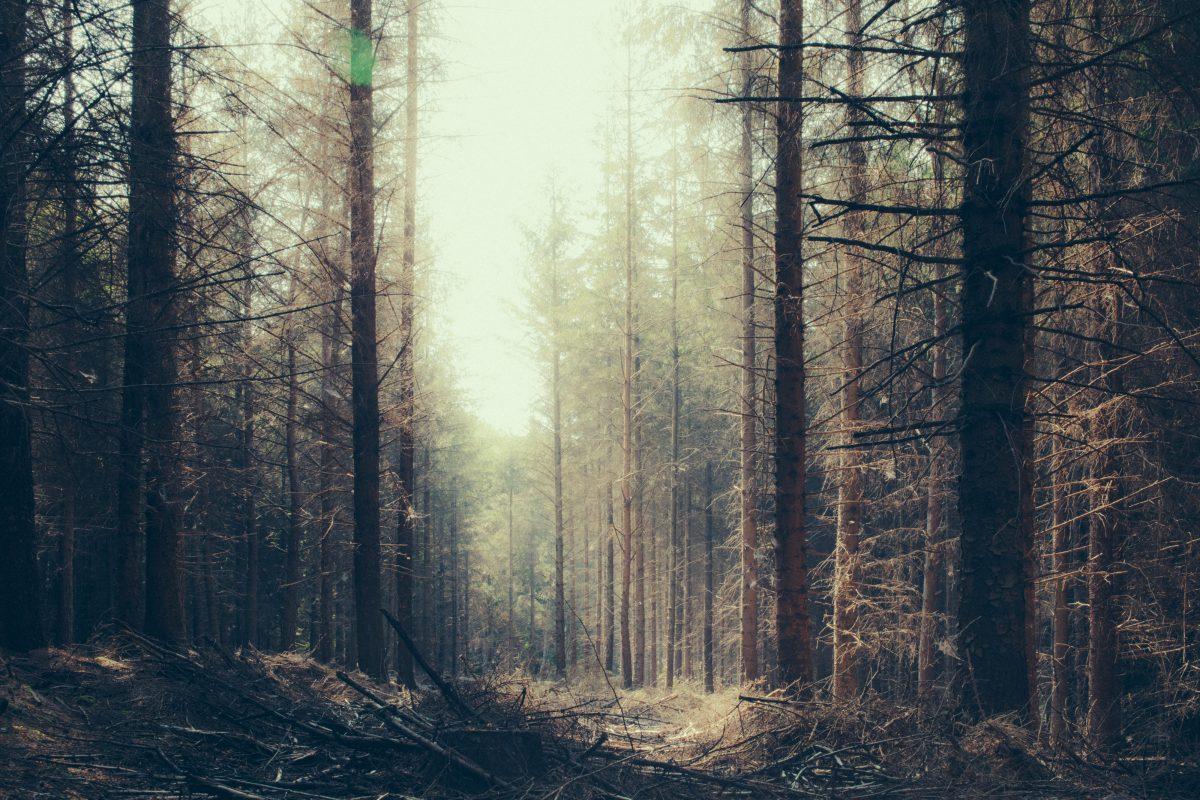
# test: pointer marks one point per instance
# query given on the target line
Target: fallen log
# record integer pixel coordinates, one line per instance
(445, 688)
(446, 753)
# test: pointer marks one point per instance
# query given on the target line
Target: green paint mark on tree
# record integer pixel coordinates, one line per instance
(362, 58)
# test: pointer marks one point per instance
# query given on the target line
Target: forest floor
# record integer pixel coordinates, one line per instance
(124, 717)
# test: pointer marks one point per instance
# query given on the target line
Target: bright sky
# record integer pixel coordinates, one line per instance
(522, 92)
(526, 85)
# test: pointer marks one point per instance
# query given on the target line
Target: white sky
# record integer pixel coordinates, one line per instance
(525, 85)
(522, 92)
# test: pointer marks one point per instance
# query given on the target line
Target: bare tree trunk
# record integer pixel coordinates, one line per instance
(674, 620)
(512, 625)
(602, 536)
(935, 483)
(689, 632)
(331, 366)
(992, 608)
(610, 609)
(850, 491)
(1060, 542)
(248, 469)
(364, 367)
(465, 583)
(709, 534)
(652, 627)
(1104, 533)
(152, 221)
(20, 608)
(639, 537)
(791, 537)
(291, 589)
(627, 404)
(454, 587)
(560, 644)
(70, 266)
(749, 494)
(406, 513)
(428, 622)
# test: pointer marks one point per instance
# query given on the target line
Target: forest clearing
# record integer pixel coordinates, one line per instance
(648, 399)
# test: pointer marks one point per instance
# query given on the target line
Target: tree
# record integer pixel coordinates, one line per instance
(20, 598)
(748, 412)
(791, 543)
(364, 370)
(992, 608)
(850, 479)
(628, 377)
(406, 525)
(152, 221)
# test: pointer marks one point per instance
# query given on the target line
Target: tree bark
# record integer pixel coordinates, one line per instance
(674, 618)
(247, 468)
(850, 488)
(406, 513)
(791, 537)
(291, 588)
(627, 406)
(639, 535)
(992, 606)
(453, 588)
(364, 368)
(331, 366)
(152, 221)
(610, 611)
(560, 618)
(935, 483)
(1060, 620)
(749, 493)
(512, 625)
(709, 534)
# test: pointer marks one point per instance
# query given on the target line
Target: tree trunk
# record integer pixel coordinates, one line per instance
(512, 624)
(709, 535)
(560, 619)
(627, 405)
(1104, 533)
(850, 490)
(453, 587)
(1060, 543)
(610, 612)
(935, 483)
(674, 560)
(749, 495)
(331, 366)
(364, 368)
(992, 607)
(465, 583)
(652, 626)
(689, 636)
(248, 471)
(791, 538)
(291, 589)
(639, 536)
(70, 264)
(152, 220)
(406, 513)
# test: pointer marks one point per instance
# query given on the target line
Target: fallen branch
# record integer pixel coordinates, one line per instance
(446, 689)
(403, 730)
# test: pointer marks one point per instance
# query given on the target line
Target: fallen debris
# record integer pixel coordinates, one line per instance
(129, 717)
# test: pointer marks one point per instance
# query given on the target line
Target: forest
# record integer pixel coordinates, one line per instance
(632, 400)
